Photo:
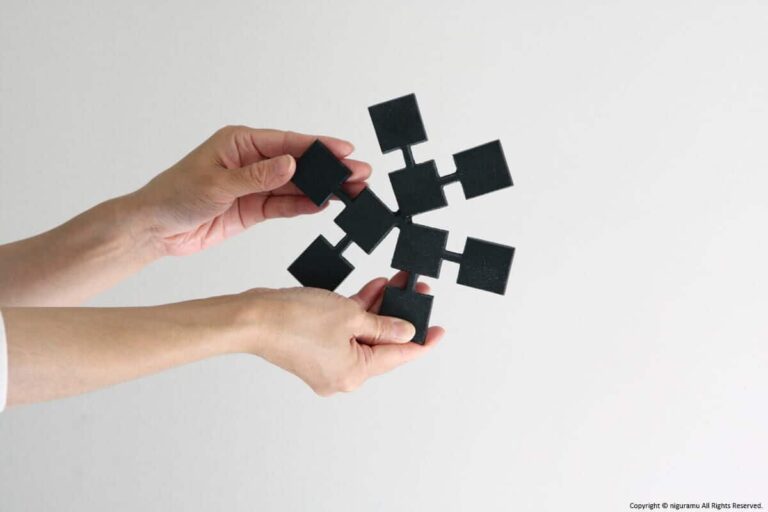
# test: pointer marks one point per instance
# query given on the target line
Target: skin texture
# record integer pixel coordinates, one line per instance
(238, 177)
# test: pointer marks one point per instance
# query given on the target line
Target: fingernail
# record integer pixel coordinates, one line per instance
(403, 330)
(286, 163)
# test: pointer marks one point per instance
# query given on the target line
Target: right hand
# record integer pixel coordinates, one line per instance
(331, 342)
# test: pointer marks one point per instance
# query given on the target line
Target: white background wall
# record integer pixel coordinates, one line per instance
(627, 361)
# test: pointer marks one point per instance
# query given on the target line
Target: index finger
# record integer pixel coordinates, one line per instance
(272, 143)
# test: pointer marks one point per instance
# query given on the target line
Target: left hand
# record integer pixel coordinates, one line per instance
(238, 177)
(332, 343)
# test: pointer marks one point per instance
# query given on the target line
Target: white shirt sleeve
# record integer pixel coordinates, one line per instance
(3, 364)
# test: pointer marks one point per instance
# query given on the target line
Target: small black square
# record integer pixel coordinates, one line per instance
(420, 249)
(367, 220)
(319, 173)
(408, 305)
(482, 169)
(418, 188)
(485, 265)
(320, 266)
(397, 123)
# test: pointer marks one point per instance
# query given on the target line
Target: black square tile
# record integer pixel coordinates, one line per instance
(367, 220)
(319, 173)
(397, 123)
(418, 188)
(482, 169)
(420, 249)
(408, 305)
(485, 265)
(319, 266)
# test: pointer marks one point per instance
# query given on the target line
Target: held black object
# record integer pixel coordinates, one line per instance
(418, 188)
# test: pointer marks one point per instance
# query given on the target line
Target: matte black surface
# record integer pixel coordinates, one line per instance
(366, 220)
(397, 123)
(319, 266)
(408, 305)
(418, 188)
(319, 173)
(420, 249)
(485, 265)
(482, 169)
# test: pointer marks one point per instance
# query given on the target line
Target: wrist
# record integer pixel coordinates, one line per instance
(203, 326)
(227, 324)
(136, 233)
(250, 321)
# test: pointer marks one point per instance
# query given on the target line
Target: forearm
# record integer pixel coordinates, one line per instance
(57, 352)
(74, 261)
(332, 343)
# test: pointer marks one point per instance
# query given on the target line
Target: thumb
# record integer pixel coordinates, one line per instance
(376, 329)
(262, 176)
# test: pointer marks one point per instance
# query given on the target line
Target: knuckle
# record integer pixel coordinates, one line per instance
(257, 175)
(227, 130)
(379, 328)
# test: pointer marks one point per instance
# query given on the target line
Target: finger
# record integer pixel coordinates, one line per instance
(352, 189)
(261, 176)
(271, 143)
(385, 358)
(375, 329)
(368, 293)
(273, 207)
(290, 189)
(361, 171)
(423, 288)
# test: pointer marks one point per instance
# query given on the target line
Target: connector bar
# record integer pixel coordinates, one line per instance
(342, 244)
(452, 256)
(449, 178)
(408, 156)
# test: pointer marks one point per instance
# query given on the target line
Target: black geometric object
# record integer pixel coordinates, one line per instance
(319, 173)
(409, 305)
(485, 265)
(418, 188)
(321, 265)
(420, 249)
(398, 123)
(367, 220)
(482, 169)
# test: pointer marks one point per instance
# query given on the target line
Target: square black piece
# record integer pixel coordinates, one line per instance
(319, 173)
(320, 266)
(397, 123)
(482, 169)
(485, 265)
(418, 188)
(367, 220)
(420, 249)
(408, 305)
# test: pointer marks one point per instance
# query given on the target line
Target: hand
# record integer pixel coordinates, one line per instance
(237, 178)
(333, 343)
